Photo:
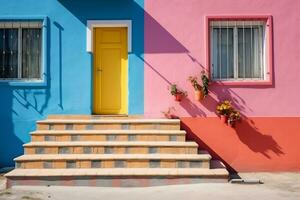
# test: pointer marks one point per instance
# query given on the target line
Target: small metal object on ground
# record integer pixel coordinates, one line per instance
(246, 181)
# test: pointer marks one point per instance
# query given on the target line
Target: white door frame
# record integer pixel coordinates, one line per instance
(91, 24)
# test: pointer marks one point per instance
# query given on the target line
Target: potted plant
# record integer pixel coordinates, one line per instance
(233, 117)
(169, 114)
(177, 93)
(224, 109)
(201, 91)
(205, 83)
(198, 89)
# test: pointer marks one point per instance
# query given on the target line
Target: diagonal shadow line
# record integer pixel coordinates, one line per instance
(155, 70)
(215, 155)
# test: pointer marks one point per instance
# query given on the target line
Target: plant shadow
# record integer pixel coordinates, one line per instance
(255, 140)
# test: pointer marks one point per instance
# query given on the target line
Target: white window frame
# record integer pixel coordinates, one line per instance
(235, 24)
(91, 24)
(20, 25)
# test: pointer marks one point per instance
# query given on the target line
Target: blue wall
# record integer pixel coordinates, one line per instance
(68, 89)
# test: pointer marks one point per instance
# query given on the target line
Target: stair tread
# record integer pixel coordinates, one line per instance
(113, 143)
(118, 172)
(112, 121)
(162, 132)
(61, 163)
(63, 116)
(37, 157)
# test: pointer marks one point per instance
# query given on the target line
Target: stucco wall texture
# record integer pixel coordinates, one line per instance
(267, 139)
(69, 73)
(169, 45)
(175, 48)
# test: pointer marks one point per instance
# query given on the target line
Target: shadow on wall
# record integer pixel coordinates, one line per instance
(256, 141)
(114, 10)
(60, 30)
(21, 106)
(158, 40)
(8, 138)
(118, 10)
(191, 108)
(20, 109)
(194, 135)
(161, 40)
(207, 132)
(217, 94)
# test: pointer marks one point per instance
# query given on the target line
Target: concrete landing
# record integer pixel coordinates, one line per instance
(277, 186)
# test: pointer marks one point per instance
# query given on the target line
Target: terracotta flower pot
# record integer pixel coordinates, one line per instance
(224, 119)
(199, 96)
(174, 116)
(178, 97)
(232, 124)
(167, 115)
(171, 116)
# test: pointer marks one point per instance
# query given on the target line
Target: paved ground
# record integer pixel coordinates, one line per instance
(279, 186)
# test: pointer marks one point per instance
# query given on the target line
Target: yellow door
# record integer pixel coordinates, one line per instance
(110, 71)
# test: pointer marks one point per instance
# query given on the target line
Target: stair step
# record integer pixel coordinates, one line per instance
(118, 172)
(79, 117)
(114, 160)
(108, 135)
(104, 124)
(125, 177)
(111, 147)
(108, 132)
(109, 121)
(113, 143)
(113, 157)
(112, 151)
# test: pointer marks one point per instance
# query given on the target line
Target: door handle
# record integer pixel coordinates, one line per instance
(99, 70)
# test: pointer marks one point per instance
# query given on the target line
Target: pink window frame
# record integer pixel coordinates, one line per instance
(269, 23)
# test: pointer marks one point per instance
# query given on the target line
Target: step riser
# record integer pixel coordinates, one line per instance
(93, 117)
(109, 126)
(63, 164)
(110, 150)
(97, 137)
(124, 152)
(102, 181)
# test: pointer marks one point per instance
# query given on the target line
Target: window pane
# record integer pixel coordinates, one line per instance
(222, 50)
(31, 53)
(249, 53)
(257, 53)
(215, 53)
(8, 53)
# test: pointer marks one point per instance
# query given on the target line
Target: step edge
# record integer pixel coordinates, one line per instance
(118, 172)
(106, 132)
(42, 157)
(112, 143)
(110, 121)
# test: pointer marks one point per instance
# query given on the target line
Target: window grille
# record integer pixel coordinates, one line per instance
(238, 50)
(20, 50)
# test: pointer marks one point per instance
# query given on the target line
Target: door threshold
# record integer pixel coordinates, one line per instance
(116, 116)
(121, 115)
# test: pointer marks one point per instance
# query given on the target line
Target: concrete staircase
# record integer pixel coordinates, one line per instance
(116, 151)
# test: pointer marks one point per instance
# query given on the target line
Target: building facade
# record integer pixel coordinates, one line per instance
(55, 55)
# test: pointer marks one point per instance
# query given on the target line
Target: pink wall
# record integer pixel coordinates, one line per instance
(175, 49)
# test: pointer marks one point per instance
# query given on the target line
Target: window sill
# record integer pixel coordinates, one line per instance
(22, 83)
(242, 83)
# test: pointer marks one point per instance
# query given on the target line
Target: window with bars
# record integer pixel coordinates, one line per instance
(238, 50)
(20, 50)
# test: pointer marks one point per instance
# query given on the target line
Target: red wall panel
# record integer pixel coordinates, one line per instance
(255, 144)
